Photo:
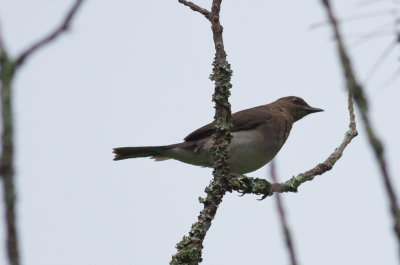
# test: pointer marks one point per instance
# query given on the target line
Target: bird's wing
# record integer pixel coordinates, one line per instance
(242, 120)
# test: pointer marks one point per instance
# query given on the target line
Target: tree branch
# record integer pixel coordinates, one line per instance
(8, 68)
(282, 217)
(357, 92)
(190, 248)
(196, 8)
(52, 36)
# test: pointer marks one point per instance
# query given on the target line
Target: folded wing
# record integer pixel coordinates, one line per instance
(242, 120)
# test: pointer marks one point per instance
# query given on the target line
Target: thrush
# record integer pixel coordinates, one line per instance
(257, 136)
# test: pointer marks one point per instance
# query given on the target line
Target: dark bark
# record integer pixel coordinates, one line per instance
(8, 68)
(357, 92)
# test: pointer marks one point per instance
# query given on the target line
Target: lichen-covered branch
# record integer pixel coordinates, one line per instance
(52, 36)
(8, 68)
(357, 92)
(190, 248)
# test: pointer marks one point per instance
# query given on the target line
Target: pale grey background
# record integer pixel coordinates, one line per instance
(136, 73)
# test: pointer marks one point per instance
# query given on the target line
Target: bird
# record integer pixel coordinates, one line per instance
(257, 136)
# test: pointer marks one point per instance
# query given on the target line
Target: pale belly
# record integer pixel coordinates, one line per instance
(249, 150)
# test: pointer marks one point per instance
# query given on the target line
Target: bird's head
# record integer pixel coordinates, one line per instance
(296, 107)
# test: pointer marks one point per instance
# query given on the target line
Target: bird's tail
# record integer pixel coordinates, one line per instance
(156, 152)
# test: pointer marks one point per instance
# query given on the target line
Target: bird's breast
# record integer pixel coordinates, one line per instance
(252, 149)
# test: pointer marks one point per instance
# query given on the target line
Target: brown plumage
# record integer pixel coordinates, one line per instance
(258, 135)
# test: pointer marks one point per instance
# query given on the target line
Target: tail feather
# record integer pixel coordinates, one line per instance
(155, 152)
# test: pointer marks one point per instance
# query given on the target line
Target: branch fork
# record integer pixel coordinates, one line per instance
(8, 68)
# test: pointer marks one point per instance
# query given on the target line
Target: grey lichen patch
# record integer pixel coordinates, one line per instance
(293, 183)
(221, 75)
(188, 253)
(261, 186)
(202, 200)
(248, 185)
(222, 72)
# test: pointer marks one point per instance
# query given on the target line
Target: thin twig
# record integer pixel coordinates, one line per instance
(282, 217)
(196, 8)
(393, 77)
(381, 59)
(190, 248)
(357, 92)
(354, 18)
(369, 2)
(52, 36)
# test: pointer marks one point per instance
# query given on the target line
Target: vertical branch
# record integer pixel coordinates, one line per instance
(7, 69)
(222, 79)
(190, 248)
(357, 92)
(282, 217)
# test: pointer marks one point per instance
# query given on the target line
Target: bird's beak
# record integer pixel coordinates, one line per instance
(312, 110)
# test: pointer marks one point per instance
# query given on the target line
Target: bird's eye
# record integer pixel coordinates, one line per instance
(298, 101)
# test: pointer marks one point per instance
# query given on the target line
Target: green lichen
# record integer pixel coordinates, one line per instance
(188, 253)
(293, 183)
(190, 248)
(261, 186)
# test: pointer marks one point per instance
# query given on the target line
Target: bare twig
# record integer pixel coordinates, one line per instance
(196, 8)
(380, 60)
(52, 36)
(357, 92)
(282, 217)
(394, 76)
(190, 248)
(369, 2)
(355, 18)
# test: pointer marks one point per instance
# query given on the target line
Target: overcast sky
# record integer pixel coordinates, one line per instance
(132, 73)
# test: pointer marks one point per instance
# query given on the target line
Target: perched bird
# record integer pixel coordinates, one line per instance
(257, 136)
